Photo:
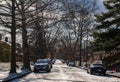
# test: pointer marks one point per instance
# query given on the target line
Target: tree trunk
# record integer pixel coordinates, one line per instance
(40, 42)
(81, 36)
(41, 46)
(13, 38)
(26, 60)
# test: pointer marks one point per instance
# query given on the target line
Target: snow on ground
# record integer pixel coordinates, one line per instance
(4, 72)
(3, 75)
(62, 73)
(97, 78)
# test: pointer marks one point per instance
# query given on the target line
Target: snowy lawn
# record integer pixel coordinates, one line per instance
(4, 71)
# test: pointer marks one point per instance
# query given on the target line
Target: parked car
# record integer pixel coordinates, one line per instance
(42, 65)
(96, 68)
(63, 61)
(71, 63)
(53, 61)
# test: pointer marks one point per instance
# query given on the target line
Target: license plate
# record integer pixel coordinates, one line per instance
(99, 70)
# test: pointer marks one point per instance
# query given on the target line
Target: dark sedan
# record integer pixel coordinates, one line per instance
(42, 65)
(96, 68)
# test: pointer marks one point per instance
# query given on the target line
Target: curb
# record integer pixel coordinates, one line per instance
(114, 75)
(107, 73)
(18, 76)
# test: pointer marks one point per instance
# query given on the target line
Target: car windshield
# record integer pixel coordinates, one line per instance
(42, 61)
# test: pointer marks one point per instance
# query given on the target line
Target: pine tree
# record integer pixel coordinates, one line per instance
(107, 34)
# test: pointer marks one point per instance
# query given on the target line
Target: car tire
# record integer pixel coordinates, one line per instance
(100, 73)
(87, 71)
(104, 74)
(35, 71)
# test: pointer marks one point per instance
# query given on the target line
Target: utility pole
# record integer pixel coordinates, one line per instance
(87, 50)
(80, 54)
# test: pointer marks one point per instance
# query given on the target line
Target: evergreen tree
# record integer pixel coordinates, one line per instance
(107, 32)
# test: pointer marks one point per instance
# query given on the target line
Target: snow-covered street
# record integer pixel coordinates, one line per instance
(62, 73)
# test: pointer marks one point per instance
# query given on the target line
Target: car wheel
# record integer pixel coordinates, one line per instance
(87, 71)
(35, 71)
(100, 73)
(104, 74)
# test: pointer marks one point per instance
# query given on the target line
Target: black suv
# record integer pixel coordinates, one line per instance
(96, 68)
(42, 65)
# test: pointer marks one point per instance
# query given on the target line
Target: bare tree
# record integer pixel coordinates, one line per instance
(79, 19)
(45, 27)
(22, 9)
(8, 11)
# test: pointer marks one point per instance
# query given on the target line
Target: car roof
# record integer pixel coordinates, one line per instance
(97, 65)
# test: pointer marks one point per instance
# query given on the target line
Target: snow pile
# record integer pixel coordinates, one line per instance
(12, 76)
(25, 71)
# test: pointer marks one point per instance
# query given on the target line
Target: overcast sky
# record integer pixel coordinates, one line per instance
(101, 6)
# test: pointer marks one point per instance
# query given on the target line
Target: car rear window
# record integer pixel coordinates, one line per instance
(71, 63)
(97, 65)
(42, 61)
